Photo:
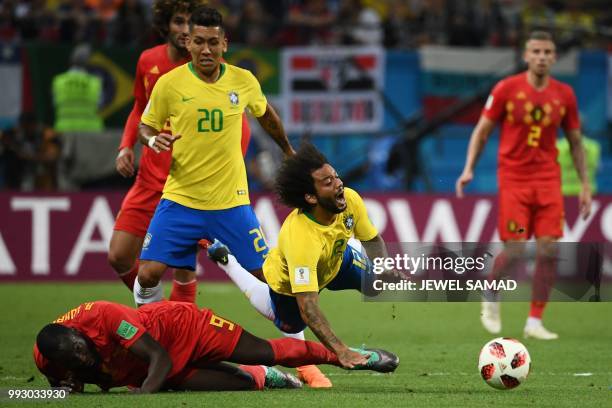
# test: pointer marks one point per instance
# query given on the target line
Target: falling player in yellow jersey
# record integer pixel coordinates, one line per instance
(206, 193)
(312, 253)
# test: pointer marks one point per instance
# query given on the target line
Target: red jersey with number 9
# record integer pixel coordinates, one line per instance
(529, 122)
(187, 333)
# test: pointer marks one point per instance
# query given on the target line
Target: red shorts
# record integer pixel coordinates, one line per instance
(217, 342)
(137, 210)
(526, 211)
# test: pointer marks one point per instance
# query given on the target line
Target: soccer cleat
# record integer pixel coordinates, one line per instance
(539, 332)
(275, 378)
(381, 361)
(217, 251)
(490, 318)
(312, 376)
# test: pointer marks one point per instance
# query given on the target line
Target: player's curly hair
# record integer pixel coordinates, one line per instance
(163, 10)
(54, 342)
(294, 179)
(206, 17)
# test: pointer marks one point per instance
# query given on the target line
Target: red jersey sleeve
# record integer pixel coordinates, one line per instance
(130, 132)
(246, 134)
(494, 107)
(571, 120)
(120, 323)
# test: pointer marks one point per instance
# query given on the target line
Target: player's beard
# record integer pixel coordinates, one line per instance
(329, 204)
(174, 40)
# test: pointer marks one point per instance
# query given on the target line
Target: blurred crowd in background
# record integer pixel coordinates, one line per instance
(34, 155)
(273, 23)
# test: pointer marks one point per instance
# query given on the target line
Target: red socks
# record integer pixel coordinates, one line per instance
(181, 292)
(130, 276)
(290, 352)
(499, 266)
(184, 292)
(258, 373)
(543, 280)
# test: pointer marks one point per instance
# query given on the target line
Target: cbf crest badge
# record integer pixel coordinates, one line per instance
(349, 221)
(147, 241)
(233, 98)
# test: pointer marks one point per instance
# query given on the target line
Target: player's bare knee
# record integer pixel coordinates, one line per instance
(149, 275)
(547, 248)
(119, 262)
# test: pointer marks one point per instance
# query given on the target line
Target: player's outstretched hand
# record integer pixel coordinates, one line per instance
(351, 359)
(163, 142)
(585, 199)
(463, 181)
(124, 163)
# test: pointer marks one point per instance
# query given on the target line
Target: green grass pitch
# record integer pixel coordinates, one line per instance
(438, 344)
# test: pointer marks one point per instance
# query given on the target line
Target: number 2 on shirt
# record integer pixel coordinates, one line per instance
(259, 242)
(533, 138)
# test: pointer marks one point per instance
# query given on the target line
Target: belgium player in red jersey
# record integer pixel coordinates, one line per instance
(530, 106)
(173, 345)
(171, 18)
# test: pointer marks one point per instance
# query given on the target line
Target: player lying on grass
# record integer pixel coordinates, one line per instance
(173, 345)
(312, 252)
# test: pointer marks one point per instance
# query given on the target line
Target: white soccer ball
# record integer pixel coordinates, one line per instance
(504, 363)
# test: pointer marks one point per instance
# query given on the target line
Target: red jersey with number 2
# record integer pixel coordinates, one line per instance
(529, 120)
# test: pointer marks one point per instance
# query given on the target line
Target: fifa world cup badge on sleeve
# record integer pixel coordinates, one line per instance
(302, 275)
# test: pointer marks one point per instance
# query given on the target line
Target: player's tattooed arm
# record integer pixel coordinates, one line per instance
(376, 247)
(160, 363)
(311, 313)
(272, 124)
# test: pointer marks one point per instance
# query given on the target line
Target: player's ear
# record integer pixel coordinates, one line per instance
(311, 199)
(224, 43)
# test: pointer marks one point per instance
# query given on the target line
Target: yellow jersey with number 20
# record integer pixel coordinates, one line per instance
(309, 254)
(208, 171)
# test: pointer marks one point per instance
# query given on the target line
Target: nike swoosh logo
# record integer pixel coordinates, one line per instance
(188, 99)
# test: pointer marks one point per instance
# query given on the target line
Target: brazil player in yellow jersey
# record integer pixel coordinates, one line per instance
(313, 253)
(206, 193)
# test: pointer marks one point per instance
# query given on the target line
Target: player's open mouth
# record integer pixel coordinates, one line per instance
(340, 200)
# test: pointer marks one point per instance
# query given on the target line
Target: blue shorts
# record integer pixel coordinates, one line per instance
(175, 230)
(355, 271)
